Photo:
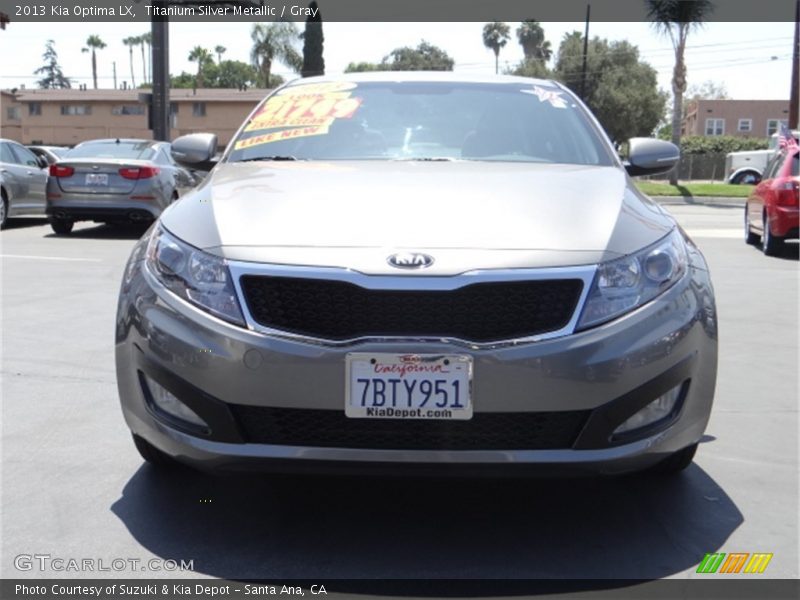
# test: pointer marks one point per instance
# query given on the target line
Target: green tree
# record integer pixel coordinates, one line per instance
(361, 67)
(52, 75)
(425, 57)
(495, 37)
(130, 42)
(621, 90)
(272, 42)
(182, 81)
(231, 74)
(313, 40)
(531, 37)
(676, 19)
(202, 57)
(219, 51)
(94, 43)
(531, 67)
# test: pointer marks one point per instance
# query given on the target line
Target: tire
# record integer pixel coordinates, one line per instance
(677, 462)
(151, 454)
(771, 245)
(741, 178)
(3, 211)
(749, 237)
(61, 226)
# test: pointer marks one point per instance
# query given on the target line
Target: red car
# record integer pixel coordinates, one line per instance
(772, 214)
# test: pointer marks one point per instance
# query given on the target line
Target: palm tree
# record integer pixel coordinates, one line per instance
(94, 43)
(220, 50)
(201, 56)
(147, 38)
(495, 36)
(130, 42)
(531, 37)
(676, 20)
(275, 41)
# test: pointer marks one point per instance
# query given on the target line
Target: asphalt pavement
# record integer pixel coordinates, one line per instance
(74, 487)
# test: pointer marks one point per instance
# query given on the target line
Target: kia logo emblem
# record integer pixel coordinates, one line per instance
(410, 260)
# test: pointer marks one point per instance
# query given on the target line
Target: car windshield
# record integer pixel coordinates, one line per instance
(112, 149)
(431, 121)
(59, 151)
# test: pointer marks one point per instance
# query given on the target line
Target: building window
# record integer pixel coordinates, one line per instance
(745, 125)
(12, 112)
(127, 109)
(774, 124)
(173, 115)
(34, 109)
(715, 126)
(75, 109)
(199, 109)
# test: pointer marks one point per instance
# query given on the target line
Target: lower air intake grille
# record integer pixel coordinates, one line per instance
(485, 431)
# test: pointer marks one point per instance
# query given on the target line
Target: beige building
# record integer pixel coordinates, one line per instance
(67, 117)
(743, 118)
(10, 116)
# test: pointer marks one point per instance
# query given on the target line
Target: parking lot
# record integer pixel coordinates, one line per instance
(73, 485)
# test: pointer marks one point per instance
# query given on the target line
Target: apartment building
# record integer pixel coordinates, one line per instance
(67, 117)
(743, 118)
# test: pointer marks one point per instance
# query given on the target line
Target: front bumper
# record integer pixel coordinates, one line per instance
(606, 373)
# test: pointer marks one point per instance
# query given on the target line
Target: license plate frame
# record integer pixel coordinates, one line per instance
(449, 378)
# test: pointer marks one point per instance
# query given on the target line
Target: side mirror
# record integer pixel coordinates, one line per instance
(648, 156)
(195, 151)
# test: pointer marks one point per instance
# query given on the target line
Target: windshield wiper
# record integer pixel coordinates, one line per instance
(275, 157)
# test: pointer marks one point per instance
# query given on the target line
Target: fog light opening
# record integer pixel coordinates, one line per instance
(165, 401)
(660, 409)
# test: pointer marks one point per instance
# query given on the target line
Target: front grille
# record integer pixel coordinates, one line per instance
(481, 312)
(485, 431)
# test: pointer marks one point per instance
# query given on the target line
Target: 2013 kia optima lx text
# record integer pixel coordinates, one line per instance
(418, 271)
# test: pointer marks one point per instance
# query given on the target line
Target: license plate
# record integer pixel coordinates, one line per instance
(96, 179)
(408, 386)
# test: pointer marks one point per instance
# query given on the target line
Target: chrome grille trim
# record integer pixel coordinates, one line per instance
(585, 273)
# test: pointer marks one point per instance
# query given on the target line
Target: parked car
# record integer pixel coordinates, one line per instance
(22, 187)
(424, 271)
(112, 181)
(771, 213)
(50, 153)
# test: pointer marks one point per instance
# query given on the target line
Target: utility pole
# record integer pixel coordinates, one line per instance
(159, 74)
(586, 52)
(794, 98)
(114, 64)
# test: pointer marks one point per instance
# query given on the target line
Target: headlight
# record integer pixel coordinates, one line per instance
(196, 276)
(626, 283)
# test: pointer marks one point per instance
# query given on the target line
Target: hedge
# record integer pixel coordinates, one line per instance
(720, 144)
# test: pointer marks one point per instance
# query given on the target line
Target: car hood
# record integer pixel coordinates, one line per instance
(466, 215)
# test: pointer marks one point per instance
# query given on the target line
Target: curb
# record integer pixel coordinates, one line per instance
(699, 201)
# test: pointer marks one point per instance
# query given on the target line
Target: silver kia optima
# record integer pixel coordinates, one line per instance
(418, 271)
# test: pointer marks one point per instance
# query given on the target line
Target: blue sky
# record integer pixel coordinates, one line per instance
(752, 60)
